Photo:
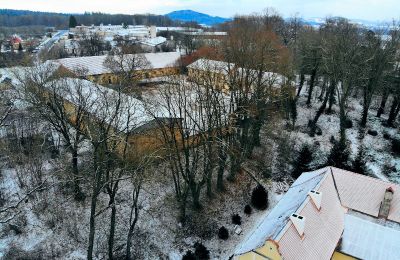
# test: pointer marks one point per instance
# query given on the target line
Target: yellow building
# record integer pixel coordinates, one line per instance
(221, 72)
(146, 66)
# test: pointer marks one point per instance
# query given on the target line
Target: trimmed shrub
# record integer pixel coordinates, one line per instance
(223, 233)
(259, 198)
(348, 123)
(189, 255)
(201, 252)
(247, 209)
(396, 145)
(372, 132)
(236, 219)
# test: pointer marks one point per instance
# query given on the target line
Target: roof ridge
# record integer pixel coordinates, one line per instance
(365, 176)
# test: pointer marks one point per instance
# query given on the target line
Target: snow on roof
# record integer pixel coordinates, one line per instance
(95, 64)
(154, 41)
(101, 102)
(365, 194)
(369, 241)
(15, 74)
(325, 225)
(225, 68)
(272, 224)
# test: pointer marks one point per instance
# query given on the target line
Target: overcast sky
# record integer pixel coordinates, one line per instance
(361, 9)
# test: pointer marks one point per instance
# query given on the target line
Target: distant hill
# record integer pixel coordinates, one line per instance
(192, 16)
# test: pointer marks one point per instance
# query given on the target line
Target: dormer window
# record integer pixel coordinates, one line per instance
(298, 222)
(316, 198)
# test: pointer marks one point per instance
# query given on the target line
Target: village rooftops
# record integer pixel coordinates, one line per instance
(95, 65)
(340, 193)
(154, 41)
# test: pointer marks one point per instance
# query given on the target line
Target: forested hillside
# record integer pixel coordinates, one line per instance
(13, 18)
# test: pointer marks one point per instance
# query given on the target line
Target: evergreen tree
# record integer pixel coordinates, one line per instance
(339, 155)
(360, 161)
(304, 159)
(259, 198)
(72, 22)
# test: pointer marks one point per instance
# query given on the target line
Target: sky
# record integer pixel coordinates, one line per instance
(374, 10)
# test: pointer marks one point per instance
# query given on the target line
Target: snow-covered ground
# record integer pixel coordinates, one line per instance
(378, 149)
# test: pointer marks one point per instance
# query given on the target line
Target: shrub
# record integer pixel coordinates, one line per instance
(236, 219)
(372, 132)
(304, 159)
(201, 252)
(259, 198)
(348, 123)
(189, 256)
(396, 145)
(247, 209)
(223, 233)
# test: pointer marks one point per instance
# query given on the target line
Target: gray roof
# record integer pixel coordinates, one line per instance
(271, 225)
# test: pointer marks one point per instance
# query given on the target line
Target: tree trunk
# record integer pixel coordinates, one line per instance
(222, 156)
(342, 117)
(235, 169)
(311, 88)
(112, 227)
(301, 84)
(381, 109)
(130, 235)
(366, 105)
(75, 171)
(394, 111)
(93, 215)
(313, 124)
(331, 98)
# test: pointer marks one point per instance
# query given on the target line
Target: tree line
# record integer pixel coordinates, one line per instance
(16, 18)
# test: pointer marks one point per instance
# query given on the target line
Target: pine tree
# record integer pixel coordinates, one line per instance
(72, 22)
(360, 161)
(304, 159)
(339, 155)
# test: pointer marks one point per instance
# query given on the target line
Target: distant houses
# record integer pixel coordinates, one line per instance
(329, 214)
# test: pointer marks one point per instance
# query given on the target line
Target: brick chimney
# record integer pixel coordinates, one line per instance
(384, 209)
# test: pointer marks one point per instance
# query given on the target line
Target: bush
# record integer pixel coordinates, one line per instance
(236, 219)
(223, 233)
(396, 145)
(189, 256)
(348, 123)
(201, 252)
(304, 159)
(259, 198)
(247, 209)
(372, 132)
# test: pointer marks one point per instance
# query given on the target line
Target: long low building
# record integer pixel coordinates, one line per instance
(95, 68)
(224, 72)
(329, 214)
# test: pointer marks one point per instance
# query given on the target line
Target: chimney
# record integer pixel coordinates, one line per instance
(385, 204)
(299, 223)
(316, 198)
